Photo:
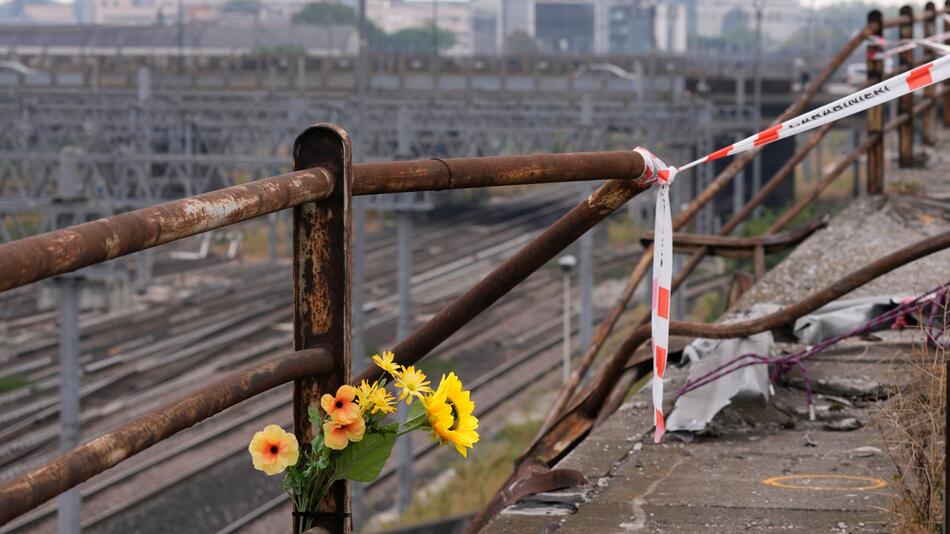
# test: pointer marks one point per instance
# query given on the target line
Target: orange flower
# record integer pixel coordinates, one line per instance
(341, 408)
(337, 435)
(273, 450)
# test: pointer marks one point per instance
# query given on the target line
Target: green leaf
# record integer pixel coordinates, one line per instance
(416, 410)
(362, 461)
(391, 428)
(317, 444)
(314, 415)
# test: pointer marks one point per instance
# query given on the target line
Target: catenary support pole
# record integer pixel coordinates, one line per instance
(403, 329)
(360, 360)
(586, 280)
(68, 517)
(566, 323)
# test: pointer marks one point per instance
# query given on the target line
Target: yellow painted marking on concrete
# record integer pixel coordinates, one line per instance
(788, 482)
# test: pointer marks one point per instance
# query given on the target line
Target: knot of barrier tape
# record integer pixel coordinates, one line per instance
(654, 170)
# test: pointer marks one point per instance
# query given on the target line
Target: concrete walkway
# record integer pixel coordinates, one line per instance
(769, 468)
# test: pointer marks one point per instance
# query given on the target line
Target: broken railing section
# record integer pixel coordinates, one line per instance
(689, 212)
(592, 403)
(531, 463)
(320, 191)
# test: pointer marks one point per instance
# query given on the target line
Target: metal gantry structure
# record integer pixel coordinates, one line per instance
(130, 153)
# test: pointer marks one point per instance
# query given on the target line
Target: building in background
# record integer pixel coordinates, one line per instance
(453, 16)
(565, 26)
(781, 18)
(638, 26)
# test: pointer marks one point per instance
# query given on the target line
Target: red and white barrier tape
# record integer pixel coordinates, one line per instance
(904, 45)
(655, 171)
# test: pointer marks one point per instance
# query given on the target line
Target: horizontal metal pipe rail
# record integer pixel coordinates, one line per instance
(93, 457)
(463, 173)
(61, 251)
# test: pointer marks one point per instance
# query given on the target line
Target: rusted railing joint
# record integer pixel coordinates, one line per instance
(93, 457)
(450, 179)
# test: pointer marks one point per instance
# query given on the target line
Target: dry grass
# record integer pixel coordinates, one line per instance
(912, 421)
(469, 484)
(621, 232)
(907, 188)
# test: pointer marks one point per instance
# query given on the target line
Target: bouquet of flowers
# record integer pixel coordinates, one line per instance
(352, 439)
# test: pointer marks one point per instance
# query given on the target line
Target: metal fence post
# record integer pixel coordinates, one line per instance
(322, 305)
(928, 133)
(875, 115)
(905, 134)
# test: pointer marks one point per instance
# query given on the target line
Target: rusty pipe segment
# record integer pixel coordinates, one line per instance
(461, 173)
(61, 251)
(734, 247)
(514, 270)
(93, 457)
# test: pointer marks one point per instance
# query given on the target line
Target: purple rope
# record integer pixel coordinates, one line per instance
(933, 325)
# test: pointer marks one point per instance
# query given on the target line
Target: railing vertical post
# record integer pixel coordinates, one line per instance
(875, 115)
(322, 305)
(928, 134)
(905, 134)
(946, 94)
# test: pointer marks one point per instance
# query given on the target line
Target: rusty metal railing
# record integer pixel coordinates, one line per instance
(319, 190)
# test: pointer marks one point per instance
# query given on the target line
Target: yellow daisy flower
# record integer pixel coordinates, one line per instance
(373, 398)
(364, 395)
(386, 362)
(413, 384)
(383, 401)
(449, 410)
(273, 450)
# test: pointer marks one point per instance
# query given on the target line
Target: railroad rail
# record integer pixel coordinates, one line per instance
(320, 190)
